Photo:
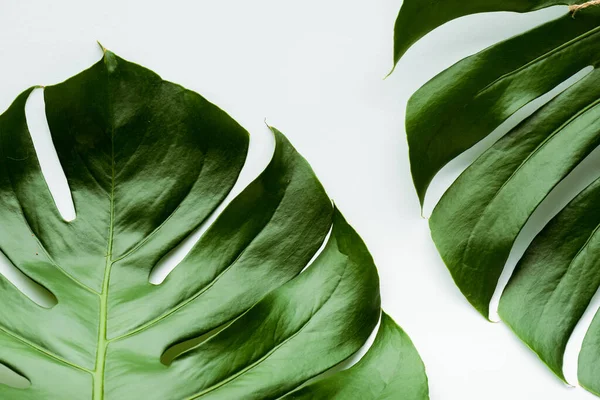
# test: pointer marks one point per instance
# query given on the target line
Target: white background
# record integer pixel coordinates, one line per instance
(314, 69)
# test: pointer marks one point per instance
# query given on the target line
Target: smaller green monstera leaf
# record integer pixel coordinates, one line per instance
(241, 317)
(479, 218)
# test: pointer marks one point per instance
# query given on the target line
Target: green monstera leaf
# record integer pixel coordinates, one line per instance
(147, 162)
(477, 220)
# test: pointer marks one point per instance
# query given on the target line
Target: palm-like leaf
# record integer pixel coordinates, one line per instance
(147, 162)
(478, 219)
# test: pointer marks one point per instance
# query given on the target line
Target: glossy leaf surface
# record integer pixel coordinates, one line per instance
(478, 219)
(147, 162)
(382, 371)
(417, 17)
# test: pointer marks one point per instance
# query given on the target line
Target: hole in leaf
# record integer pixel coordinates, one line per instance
(451, 171)
(36, 292)
(583, 175)
(35, 113)
(260, 152)
(178, 349)
(12, 378)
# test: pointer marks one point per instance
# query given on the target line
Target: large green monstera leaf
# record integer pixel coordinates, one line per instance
(478, 219)
(147, 162)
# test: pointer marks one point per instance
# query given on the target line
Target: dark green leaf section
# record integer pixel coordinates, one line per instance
(147, 162)
(419, 17)
(391, 367)
(264, 238)
(487, 206)
(478, 219)
(288, 336)
(465, 103)
(556, 279)
(589, 358)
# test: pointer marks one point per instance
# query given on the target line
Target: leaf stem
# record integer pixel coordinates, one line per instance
(577, 7)
(102, 344)
(102, 330)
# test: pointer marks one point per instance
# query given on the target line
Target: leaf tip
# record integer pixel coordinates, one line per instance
(391, 72)
(271, 127)
(104, 50)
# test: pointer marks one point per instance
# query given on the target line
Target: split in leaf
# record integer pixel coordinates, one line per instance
(478, 219)
(147, 162)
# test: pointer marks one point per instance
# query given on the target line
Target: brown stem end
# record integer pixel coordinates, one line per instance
(578, 7)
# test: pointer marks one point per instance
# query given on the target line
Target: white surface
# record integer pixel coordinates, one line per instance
(315, 70)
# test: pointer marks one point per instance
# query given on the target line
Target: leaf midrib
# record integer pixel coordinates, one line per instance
(534, 61)
(102, 343)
